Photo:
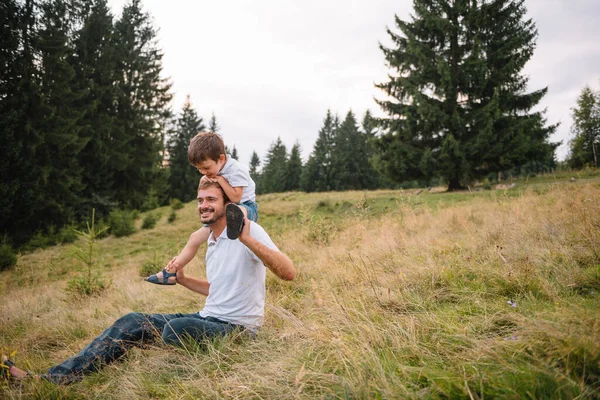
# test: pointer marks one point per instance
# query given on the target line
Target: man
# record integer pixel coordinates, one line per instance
(235, 290)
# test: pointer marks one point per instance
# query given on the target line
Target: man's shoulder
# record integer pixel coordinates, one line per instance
(260, 234)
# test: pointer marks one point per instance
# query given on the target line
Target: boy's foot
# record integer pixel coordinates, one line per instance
(235, 221)
(163, 278)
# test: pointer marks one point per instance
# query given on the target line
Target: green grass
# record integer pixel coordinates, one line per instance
(398, 295)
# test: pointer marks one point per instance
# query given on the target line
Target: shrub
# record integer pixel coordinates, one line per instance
(86, 286)
(103, 229)
(176, 204)
(151, 267)
(67, 234)
(38, 241)
(150, 220)
(487, 185)
(172, 216)
(8, 258)
(151, 201)
(122, 222)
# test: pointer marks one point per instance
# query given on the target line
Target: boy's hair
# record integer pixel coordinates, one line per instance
(208, 184)
(204, 146)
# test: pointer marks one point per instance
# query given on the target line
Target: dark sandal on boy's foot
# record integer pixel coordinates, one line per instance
(235, 221)
(165, 278)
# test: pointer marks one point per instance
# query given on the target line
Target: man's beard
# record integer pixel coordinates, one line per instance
(215, 216)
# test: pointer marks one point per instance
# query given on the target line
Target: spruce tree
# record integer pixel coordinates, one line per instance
(183, 177)
(11, 114)
(142, 107)
(585, 145)
(459, 109)
(254, 173)
(234, 153)
(213, 126)
(273, 173)
(60, 116)
(293, 169)
(350, 162)
(317, 174)
(95, 67)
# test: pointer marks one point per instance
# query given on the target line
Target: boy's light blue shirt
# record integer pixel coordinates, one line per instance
(238, 176)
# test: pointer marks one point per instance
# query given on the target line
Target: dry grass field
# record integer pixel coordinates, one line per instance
(484, 294)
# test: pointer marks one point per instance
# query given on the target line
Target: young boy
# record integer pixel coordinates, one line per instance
(207, 153)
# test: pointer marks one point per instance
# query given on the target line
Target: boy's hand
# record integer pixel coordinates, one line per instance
(173, 266)
(214, 178)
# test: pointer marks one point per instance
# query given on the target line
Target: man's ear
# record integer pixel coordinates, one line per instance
(222, 158)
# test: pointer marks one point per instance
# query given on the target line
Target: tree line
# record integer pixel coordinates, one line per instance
(86, 118)
(340, 160)
(585, 144)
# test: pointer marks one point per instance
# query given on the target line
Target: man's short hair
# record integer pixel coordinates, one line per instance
(206, 184)
(204, 146)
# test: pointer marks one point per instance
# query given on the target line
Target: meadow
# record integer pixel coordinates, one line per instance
(410, 294)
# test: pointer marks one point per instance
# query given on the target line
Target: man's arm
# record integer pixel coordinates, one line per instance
(194, 284)
(276, 261)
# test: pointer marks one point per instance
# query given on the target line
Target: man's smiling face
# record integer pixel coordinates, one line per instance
(211, 205)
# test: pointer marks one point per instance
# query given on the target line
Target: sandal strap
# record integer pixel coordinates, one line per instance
(167, 275)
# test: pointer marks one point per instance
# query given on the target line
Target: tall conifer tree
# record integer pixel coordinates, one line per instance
(350, 162)
(234, 153)
(60, 117)
(142, 106)
(316, 175)
(11, 113)
(293, 169)
(213, 126)
(95, 65)
(585, 145)
(183, 177)
(459, 107)
(273, 173)
(254, 172)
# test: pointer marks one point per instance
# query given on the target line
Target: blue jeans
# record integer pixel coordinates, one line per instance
(252, 209)
(135, 329)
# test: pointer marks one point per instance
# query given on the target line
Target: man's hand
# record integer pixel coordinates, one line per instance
(245, 233)
(180, 275)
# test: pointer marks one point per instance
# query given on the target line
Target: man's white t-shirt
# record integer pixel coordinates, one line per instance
(237, 279)
(238, 176)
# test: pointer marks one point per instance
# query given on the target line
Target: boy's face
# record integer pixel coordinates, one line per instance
(210, 167)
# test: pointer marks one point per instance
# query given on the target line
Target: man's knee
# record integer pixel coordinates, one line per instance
(176, 330)
(173, 331)
(130, 320)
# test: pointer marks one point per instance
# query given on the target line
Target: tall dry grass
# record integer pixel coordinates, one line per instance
(410, 300)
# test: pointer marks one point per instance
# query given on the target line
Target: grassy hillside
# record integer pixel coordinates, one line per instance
(483, 294)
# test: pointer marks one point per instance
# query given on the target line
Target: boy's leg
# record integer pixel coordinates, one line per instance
(244, 210)
(250, 209)
(235, 215)
(171, 269)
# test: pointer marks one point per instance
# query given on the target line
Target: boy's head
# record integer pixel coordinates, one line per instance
(207, 153)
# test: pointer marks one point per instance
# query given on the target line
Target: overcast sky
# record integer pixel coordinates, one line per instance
(270, 68)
